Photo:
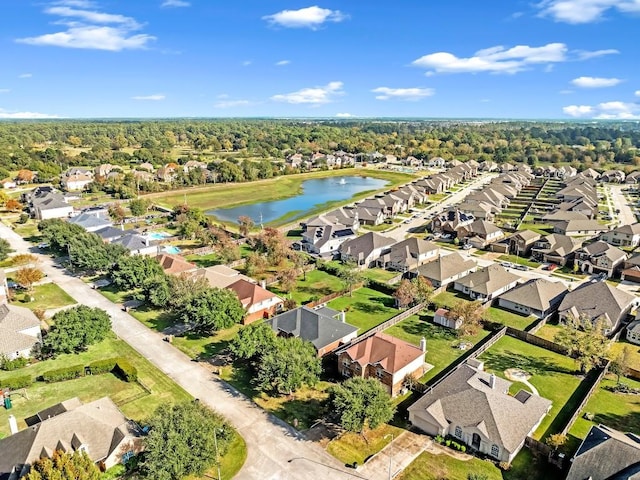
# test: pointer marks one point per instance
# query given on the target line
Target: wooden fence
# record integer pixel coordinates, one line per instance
(594, 376)
(537, 341)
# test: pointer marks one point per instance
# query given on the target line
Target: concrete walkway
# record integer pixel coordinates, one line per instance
(395, 457)
(271, 443)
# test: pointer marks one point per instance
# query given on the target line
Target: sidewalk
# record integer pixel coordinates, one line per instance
(395, 457)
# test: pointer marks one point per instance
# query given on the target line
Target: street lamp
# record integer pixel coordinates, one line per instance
(389, 454)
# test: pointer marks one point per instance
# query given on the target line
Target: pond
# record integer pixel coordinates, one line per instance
(315, 192)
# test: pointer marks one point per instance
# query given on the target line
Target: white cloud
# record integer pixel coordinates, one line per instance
(595, 82)
(232, 103)
(585, 11)
(155, 97)
(25, 115)
(637, 93)
(175, 4)
(586, 54)
(25, 75)
(313, 95)
(310, 17)
(246, 63)
(386, 93)
(4, 90)
(496, 59)
(344, 115)
(565, 92)
(282, 63)
(91, 29)
(605, 111)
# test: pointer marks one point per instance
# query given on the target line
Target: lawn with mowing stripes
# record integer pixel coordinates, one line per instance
(365, 308)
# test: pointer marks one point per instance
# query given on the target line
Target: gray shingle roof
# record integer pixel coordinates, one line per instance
(446, 267)
(537, 293)
(320, 327)
(488, 279)
(606, 454)
(89, 220)
(362, 246)
(597, 300)
(14, 320)
(465, 398)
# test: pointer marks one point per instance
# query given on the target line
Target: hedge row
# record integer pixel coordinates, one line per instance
(60, 374)
(16, 382)
(118, 365)
(125, 370)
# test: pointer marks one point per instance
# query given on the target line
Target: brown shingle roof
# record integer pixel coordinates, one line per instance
(250, 293)
(391, 353)
(174, 264)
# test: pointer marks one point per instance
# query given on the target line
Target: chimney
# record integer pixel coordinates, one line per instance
(13, 425)
(423, 344)
(342, 316)
(492, 381)
(263, 283)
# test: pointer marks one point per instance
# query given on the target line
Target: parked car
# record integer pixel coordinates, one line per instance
(551, 267)
(467, 246)
(506, 264)
(524, 268)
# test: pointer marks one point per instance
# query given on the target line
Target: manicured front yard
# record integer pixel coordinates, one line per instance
(353, 447)
(511, 319)
(551, 373)
(132, 398)
(365, 308)
(46, 296)
(517, 260)
(442, 343)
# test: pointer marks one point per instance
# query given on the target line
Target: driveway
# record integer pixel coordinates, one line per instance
(271, 443)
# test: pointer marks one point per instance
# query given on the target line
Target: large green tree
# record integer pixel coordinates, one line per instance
(214, 309)
(64, 466)
(361, 403)
(287, 365)
(5, 249)
(135, 271)
(253, 340)
(75, 329)
(182, 441)
(58, 233)
(350, 275)
(138, 206)
(584, 340)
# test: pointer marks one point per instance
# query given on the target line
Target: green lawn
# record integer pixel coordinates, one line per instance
(500, 315)
(318, 284)
(353, 447)
(616, 410)
(132, 398)
(634, 352)
(204, 261)
(519, 260)
(379, 274)
(365, 308)
(429, 466)
(552, 374)
(449, 298)
(441, 342)
(114, 294)
(549, 331)
(46, 296)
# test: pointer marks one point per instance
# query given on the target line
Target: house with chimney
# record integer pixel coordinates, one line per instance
(385, 358)
(475, 408)
(257, 301)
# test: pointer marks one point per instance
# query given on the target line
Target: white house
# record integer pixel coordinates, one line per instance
(633, 332)
(487, 283)
(441, 318)
(19, 331)
(624, 236)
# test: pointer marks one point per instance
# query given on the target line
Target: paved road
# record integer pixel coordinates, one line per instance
(271, 443)
(404, 228)
(626, 216)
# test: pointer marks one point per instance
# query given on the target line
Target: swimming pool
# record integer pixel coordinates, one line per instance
(171, 249)
(157, 235)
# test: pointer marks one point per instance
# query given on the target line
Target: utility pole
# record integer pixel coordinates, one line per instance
(215, 441)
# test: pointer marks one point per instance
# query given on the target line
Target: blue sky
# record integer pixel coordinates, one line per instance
(374, 58)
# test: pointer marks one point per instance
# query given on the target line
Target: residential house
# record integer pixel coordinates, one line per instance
(612, 176)
(480, 233)
(219, 276)
(521, 243)
(76, 179)
(326, 239)
(325, 328)
(558, 216)
(574, 228)
(633, 332)
(45, 203)
(136, 244)
(340, 216)
(633, 178)
(19, 331)
(476, 409)
(8, 183)
(167, 173)
(103, 170)
(598, 301)
(368, 216)
(486, 283)
(606, 454)
(600, 257)
(446, 269)
(92, 220)
(450, 221)
(488, 166)
(98, 428)
(194, 165)
(146, 166)
(556, 248)
(295, 160)
(539, 297)
(623, 236)
(143, 176)
(385, 358)
(409, 254)
(479, 209)
(109, 234)
(586, 206)
(257, 301)
(590, 173)
(441, 317)
(436, 162)
(366, 249)
(175, 264)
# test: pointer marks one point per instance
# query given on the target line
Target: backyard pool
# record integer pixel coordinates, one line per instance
(171, 249)
(157, 235)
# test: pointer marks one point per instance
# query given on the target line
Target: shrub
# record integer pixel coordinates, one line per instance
(103, 366)
(16, 382)
(504, 466)
(24, 217)
(60, 374)
(126, 370)
(439, 439)
(10, 365)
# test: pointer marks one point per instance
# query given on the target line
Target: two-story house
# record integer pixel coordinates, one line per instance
(600, 257)
(409, 254)
(623, 236)
(366, 249)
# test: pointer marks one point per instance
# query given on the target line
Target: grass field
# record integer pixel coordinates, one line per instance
(552, 374)
(500, 315)
(616, 410)
(449, 298)
(353, 447)
(549, 331)
(634, 352)
(441, 342)
(317, 284)
(228, 195)
(46, 296)
(132, 398)
(365, 308)
(379, 274)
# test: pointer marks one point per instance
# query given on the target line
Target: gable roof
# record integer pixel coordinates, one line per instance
(250, 293)
(174, 264)
(597, 300)
(606, 453)
(220, 276)
(390, 353)
(465, 398)
(483, 227)
(560, 245)
(361, 247)
(536, 293)
(488, 279)
(320, 327)
(527, 235)
(13, 321)
(90, 220)
(581, 225)
(131, 242)
(110, 232)
(633, 229)
(600, 248)
(446, 266)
